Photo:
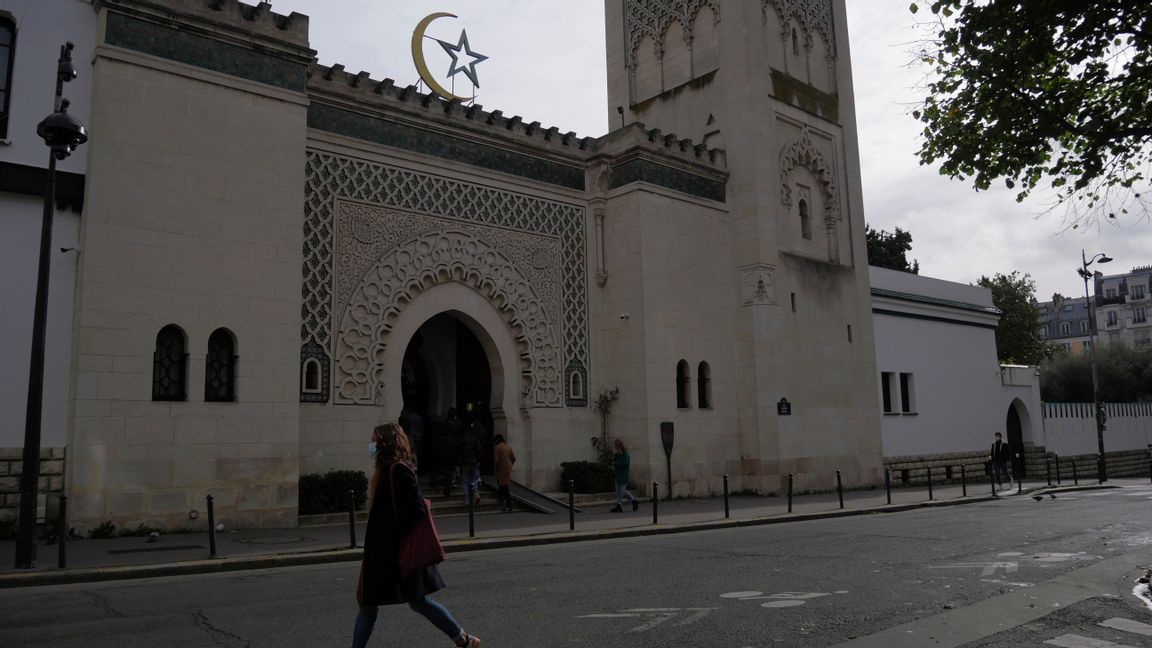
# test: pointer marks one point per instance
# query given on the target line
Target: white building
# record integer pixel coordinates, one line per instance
(1123, 305)
(943, 393)
(31, 34)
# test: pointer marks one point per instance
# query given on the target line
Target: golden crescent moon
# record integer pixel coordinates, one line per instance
(421, 64)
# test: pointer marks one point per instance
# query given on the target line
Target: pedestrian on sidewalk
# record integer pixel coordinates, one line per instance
(469, 460)
(502, 460)
(1001, 456)
(396, 508)
(621, 465)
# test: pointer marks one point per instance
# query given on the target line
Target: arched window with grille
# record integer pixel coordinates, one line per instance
(170, 365)
(683, 384)
(704, 386)
(805, 220)
(220, 368)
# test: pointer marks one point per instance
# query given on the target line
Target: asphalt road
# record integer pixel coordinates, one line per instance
(1008, 573)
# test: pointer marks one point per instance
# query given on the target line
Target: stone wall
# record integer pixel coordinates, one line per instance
(12, 466)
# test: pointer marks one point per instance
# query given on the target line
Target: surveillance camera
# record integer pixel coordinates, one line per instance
(65, 250)
(625, 316)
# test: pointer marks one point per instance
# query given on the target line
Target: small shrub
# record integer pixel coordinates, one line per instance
(589, 476)
(328, 493)
(105, 530)
(140, 531)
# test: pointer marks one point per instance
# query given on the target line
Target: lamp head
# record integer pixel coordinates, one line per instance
(1104, 258)
(62, 132)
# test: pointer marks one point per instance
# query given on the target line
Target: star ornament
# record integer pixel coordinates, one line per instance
(463, 50)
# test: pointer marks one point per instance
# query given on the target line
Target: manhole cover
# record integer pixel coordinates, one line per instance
(273, 540)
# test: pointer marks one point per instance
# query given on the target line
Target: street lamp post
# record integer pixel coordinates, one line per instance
(62, 133)
(1097, 408)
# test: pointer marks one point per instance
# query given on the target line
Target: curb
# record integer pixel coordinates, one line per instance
(324, 556)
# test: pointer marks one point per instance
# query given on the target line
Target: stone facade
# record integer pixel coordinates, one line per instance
(322, 220)
(12, 466)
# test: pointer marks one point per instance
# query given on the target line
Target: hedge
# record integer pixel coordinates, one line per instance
(328, 493)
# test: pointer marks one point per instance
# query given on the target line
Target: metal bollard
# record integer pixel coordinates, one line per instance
(211, 528)
(1019, 485)
(888, 483)
(62, 529)
(571, 505)
(1058, 469)
(930, 498)
(1150, 470)
(1075, 474)
(791, 478)
(471, 493)
(1100, 467)
(963, 481)
(655, 501)
(351, 519)
(992, 482)
(1048, 469)
(840, 489)
(726, 510)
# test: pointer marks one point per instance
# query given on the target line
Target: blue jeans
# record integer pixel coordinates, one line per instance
(470, 476)
(1002, 472)
(426, 607)
(621, 493)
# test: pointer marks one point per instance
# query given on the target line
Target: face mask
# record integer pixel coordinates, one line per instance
(373, 449)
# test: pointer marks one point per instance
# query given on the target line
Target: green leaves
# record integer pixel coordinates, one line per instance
(1018, 92)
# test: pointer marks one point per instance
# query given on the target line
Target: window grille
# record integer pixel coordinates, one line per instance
(220, 368)
(169, 365)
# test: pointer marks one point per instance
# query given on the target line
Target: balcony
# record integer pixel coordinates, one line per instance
(1110, 301)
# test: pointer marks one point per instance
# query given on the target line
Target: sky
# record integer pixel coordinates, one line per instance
(546, 63)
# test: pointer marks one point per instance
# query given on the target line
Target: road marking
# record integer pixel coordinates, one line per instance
(1076, 641)
(799, 595)
(740, 595)
(1061, 557)
(989, 567)
(782, 604)
(657, 616)
(1128, 625)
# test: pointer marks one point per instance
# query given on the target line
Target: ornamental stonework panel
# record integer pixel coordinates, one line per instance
(386, 258)
(375, 236)
(653, 17)
(813, 16)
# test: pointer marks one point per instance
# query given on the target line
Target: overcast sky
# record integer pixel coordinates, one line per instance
(547, 64)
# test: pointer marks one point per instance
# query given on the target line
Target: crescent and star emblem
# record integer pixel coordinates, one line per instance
(463, 58)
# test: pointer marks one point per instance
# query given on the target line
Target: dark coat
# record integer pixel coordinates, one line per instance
(469, 448)
(382, 582)
(1001, 455)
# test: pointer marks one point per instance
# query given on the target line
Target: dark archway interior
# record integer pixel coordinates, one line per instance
(445, 366)
(1016, 441)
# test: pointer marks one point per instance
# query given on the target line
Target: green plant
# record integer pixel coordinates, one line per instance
(105, 530)
(588, 476)
(328, 493)
(140, 530)
(603, 407)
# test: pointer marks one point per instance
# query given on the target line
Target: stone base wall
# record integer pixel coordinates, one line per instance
(12, 466)
(946, 467)
(1038, 463)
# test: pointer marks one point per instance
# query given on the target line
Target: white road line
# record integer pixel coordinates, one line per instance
(608, 616)
(697, 614)
(651, 610)
(644, 627)
(989, 567)
(1076, 641)
(1128, 625)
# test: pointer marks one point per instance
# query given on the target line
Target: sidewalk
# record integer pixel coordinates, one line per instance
(135, 557)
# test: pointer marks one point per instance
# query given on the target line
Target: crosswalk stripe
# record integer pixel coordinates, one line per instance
(1128, 625)
(1076, 641)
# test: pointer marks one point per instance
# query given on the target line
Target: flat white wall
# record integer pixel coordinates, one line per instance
(1070, 428)
(20, 219)
(42, 26)
(956, 380)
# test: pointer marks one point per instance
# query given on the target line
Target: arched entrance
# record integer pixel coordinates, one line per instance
(445, 367)
(1014, 426)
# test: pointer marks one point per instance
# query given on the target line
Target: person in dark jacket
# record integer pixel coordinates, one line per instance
(622, 464)
(1001, 455)
(469, 459)
(414, 427)
(380, 580)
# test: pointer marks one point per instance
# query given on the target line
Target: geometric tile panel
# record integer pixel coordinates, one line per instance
(334, 180)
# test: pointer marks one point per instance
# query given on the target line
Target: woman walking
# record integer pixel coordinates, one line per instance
(622, 465)
(396, 506)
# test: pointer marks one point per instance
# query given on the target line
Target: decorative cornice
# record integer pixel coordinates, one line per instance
(813, 16)
(654, 17)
